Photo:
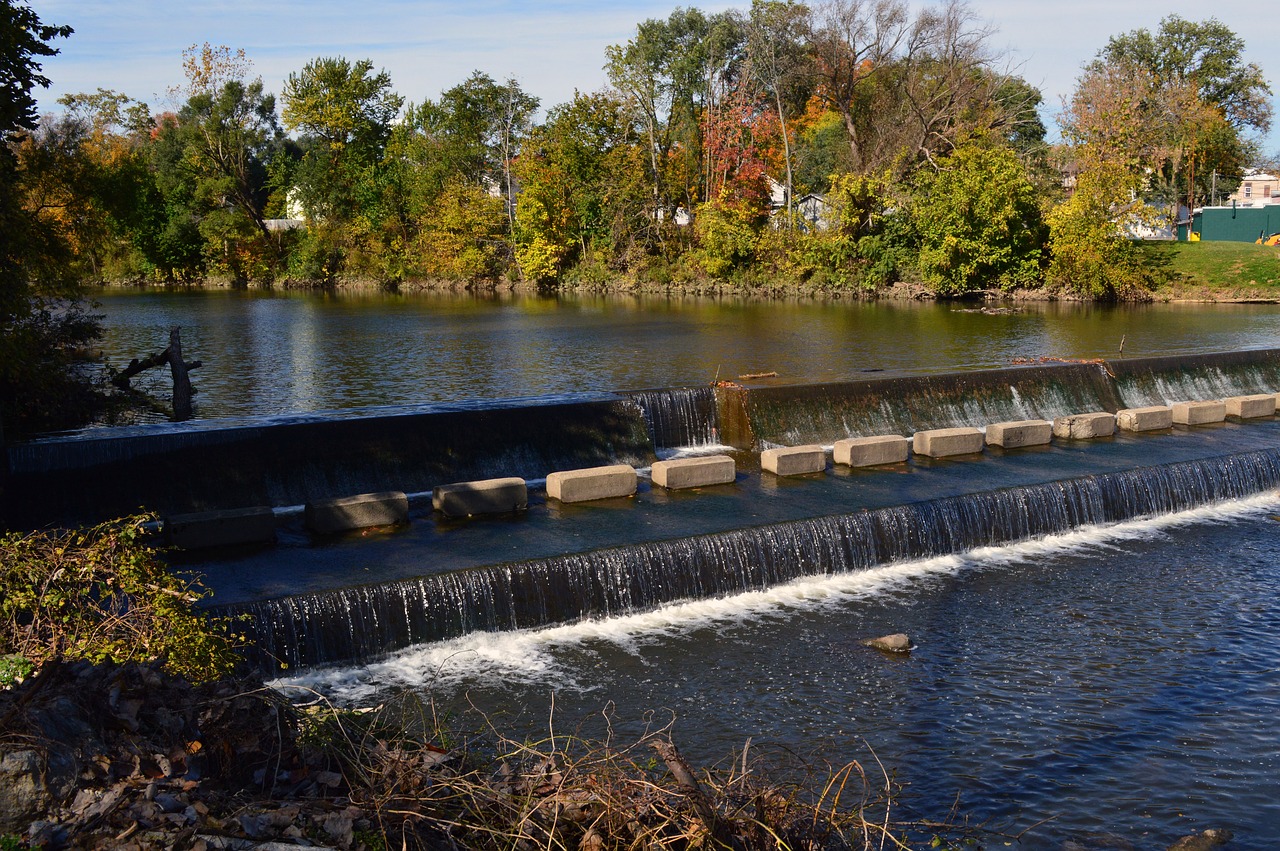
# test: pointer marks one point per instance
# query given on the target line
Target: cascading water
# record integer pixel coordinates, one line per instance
(787, 416)
(1165, 380)
(361, 623)
(679, 416)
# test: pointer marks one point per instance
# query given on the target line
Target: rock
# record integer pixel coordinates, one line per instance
(899, 642)
(1211, 838)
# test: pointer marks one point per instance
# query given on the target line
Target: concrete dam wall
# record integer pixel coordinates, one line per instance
(192, 467)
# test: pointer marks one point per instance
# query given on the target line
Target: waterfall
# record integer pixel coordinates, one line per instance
(362, 623)
(290, 461)
(679, 416)
(822, 413)
(1165, 380)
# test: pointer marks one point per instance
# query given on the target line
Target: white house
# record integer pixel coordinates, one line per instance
(1258, 189)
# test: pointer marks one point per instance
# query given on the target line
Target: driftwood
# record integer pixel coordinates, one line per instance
(172, 355)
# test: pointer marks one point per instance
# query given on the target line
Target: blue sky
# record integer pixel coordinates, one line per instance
(135, 46)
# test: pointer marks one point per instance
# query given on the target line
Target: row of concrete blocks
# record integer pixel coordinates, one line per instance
(506, 495)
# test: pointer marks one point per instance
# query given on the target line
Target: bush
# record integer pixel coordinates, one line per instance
(103, 594)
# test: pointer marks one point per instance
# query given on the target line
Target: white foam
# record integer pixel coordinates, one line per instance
(533, 656)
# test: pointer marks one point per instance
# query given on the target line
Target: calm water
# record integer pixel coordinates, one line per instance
(273, 354)
(1121, 680)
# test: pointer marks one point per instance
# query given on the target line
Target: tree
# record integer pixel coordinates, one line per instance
(347, 111)
(775, 44)
(979, 222)
(581, 185)
(211, 162)
(910, 90)
(1192, 99)
(39, 338)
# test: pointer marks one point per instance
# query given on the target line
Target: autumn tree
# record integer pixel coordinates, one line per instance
(1195, 100)
(582, 188)
(42, 326)
(776, 33)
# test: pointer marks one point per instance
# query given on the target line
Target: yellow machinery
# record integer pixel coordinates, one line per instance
(1273, 240)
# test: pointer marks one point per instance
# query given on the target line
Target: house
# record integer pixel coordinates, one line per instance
(1257, 189)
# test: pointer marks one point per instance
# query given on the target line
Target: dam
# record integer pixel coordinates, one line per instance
(1094, 618)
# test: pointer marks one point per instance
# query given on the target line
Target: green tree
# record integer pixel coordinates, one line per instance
(978, 221)
(581, 187)
(345, 112)
(42, 330)
(1191, 99)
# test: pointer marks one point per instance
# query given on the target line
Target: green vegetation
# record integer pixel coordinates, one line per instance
(1238, 270)
(102, 594)
(838, 147)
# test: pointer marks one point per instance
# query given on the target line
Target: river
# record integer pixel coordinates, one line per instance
(1120, 681)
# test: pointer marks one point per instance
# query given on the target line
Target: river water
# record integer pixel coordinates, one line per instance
(269, 353)
(1119, 681)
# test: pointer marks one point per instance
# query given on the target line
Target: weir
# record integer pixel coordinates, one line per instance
(204, 466)
(358, 624)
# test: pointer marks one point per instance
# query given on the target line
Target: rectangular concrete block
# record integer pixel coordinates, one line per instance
(1145, 419)
(1199, 413)
(1085, 426)
(871, 451)
(1020, 433)
(343, 514)
(694, 472)
(942, 442)
(794, 460)
(487, 496)
(592, 483)
(221, 528)
(1251, 407)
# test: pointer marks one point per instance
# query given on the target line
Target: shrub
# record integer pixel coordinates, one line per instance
(104, 594)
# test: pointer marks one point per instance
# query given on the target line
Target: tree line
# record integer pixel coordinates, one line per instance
(918, 152)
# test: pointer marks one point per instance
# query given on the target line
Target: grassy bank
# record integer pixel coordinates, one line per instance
(1219, 271)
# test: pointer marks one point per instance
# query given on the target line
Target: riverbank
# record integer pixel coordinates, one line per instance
(1201, 272)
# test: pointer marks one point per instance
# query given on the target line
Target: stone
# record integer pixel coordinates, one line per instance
(943, 442)
(487, 496)
(592, 483)
(694, 472)
(1251, 407)
(794, 460)
(871, 451)
(226, 528)
(1199, 413)
(897, 643)
(1020, 433)
(344, 514)
(1152, 418)
(1085, 426)
(1211, 838)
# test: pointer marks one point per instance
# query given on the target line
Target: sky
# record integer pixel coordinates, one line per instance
(552, 48)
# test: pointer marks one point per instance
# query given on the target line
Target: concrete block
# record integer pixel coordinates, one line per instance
(1085, 426)
(343, 514)
(871, 451)
(1145, 419)
(1199, 413)
(1250, 407)
(592, 483)
(942, 442)
(487, 496)
(221, 528)
(694, 472)
(1020, 433)
(794, 460)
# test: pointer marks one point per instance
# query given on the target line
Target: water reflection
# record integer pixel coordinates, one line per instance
(268, 353)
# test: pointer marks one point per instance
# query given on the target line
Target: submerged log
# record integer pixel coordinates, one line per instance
(172, 355)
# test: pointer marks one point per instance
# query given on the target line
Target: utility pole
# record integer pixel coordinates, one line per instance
(1213, 191)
